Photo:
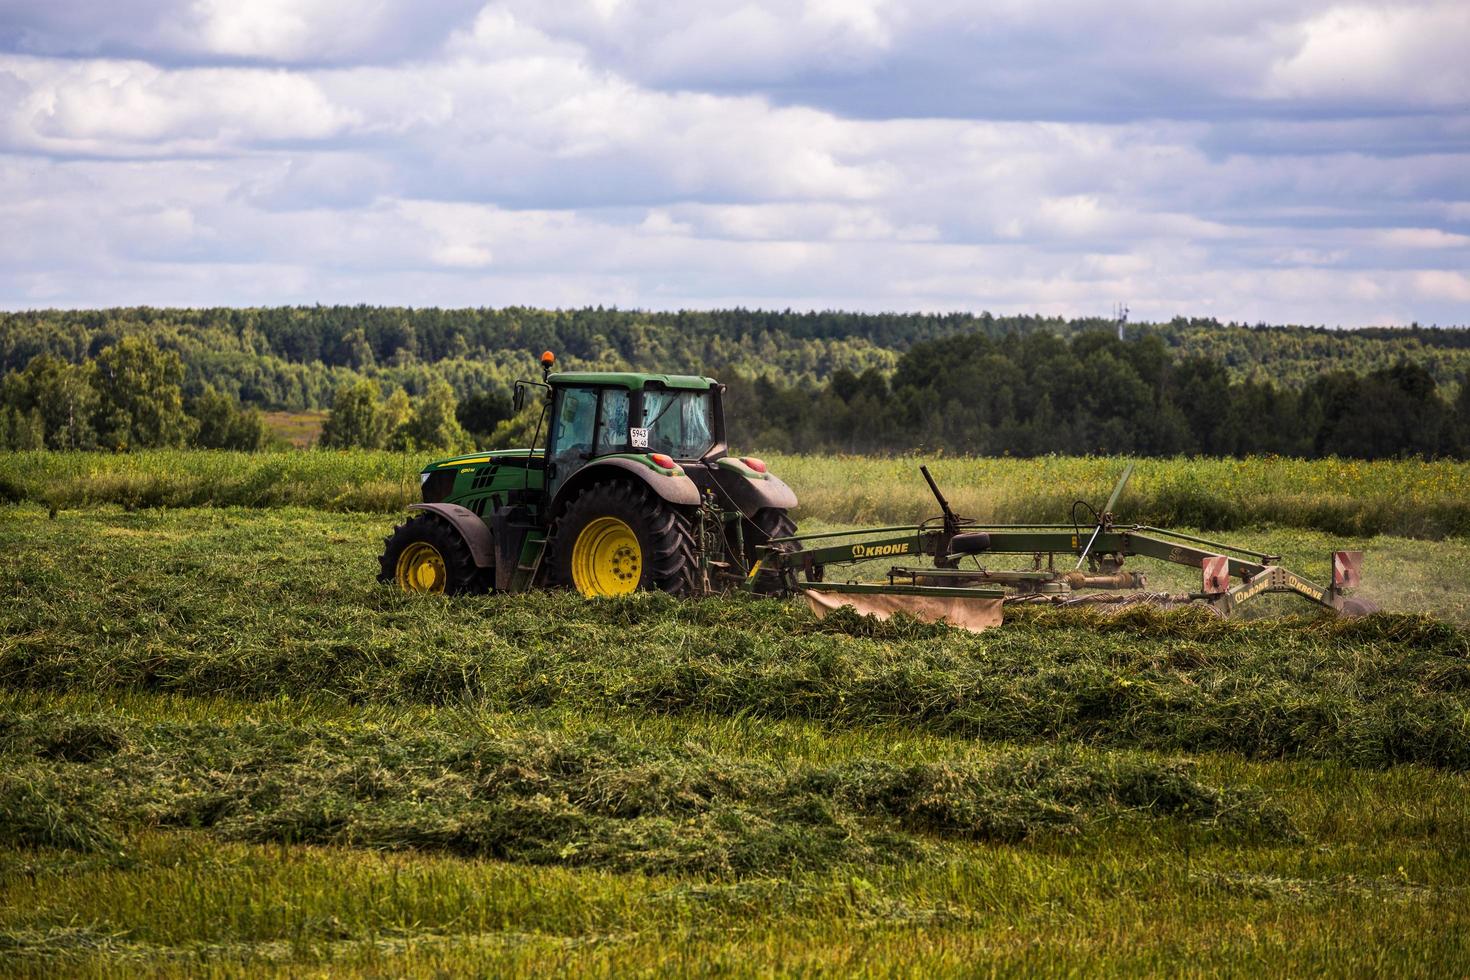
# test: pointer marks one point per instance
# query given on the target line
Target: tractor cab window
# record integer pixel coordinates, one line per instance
(679, 423)
(572, 436)
(612, 435)
(576, 412)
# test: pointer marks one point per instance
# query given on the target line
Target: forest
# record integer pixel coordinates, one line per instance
(819, 381)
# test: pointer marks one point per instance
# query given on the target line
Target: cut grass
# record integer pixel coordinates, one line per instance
(594, 799)
(255, 606)
(186, 904)
(187, 698)
(1376, 878)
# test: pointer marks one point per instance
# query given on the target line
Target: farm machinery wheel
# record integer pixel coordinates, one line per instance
(427, 555)
(617, 537)
(769, 523)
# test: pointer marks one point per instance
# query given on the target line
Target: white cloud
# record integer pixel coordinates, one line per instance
(1443, 284)
(1422, 238)
(126, 108)
(683, 43)
(1191, 158)
(285, 30)
(1379, 54)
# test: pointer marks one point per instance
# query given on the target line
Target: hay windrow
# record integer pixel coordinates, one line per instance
(594, 799)
(1374, 692)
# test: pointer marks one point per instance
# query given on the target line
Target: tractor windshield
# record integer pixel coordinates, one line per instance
(678, 422)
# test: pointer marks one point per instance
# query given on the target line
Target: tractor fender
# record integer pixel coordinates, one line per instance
(676, 489)
(471, 528)
(750, 495)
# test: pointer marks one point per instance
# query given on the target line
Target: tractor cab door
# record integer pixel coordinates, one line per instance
(586, 422)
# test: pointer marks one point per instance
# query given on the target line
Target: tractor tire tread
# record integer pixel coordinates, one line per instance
(765, 524)
(671, 562)
(463, 575)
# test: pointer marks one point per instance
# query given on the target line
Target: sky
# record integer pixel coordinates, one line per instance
(1286, 162)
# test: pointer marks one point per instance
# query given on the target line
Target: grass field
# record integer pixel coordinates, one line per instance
(298, 429)
(1409, 498)
(224, 750)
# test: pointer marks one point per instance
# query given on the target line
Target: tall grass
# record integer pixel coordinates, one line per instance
(1405, 497)
(1413, 498)
(335, 481)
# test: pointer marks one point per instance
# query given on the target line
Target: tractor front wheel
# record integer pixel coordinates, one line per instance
(617, 537)
(427, 555)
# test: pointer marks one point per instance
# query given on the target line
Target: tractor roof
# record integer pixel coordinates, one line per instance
(631, 380)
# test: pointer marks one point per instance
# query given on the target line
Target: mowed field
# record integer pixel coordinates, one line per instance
(225, 749)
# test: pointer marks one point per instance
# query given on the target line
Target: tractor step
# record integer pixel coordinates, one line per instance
(533, 549)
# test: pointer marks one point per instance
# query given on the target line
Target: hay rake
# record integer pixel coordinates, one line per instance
(1071, 564)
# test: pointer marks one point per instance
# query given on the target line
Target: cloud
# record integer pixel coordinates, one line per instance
(1375, 56)
(1443, 284)
(131, 108)
(184, 32)
(1249, 161)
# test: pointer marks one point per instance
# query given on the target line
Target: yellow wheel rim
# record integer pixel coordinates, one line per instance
(421, 568)
(606, 559)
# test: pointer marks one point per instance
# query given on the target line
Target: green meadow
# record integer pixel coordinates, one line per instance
(225, 750)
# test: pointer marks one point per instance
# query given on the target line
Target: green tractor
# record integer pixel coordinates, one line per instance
(634, 489)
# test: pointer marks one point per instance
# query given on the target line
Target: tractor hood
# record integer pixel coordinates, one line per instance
(472, 459)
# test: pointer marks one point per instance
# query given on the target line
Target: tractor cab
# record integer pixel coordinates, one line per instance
(663, 419)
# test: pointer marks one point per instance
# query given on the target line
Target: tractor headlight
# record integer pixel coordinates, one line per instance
(423, 478)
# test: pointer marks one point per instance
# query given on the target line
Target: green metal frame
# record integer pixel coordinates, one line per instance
(884, 588)
(1105, 543)
(1257, 573)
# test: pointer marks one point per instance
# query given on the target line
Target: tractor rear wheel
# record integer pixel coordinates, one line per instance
(766, 524)
(617, 537)
(427, 555)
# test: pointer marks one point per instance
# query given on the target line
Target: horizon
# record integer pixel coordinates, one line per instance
(1100, 319)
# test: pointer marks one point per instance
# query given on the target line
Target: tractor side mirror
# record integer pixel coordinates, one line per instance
(519, 398)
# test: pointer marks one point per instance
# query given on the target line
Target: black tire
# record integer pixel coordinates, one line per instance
(769, 523)
(667, 559)
(461, 574)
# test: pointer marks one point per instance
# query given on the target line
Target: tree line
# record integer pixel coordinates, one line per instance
(132, 395)
(441, 379)
(129, 396)
(1038, 394)
(296, 358)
